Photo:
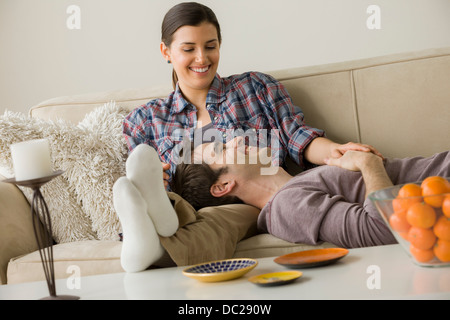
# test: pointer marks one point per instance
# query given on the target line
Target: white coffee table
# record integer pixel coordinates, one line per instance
(383, 272)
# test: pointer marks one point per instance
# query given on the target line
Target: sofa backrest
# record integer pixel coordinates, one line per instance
(398, 103)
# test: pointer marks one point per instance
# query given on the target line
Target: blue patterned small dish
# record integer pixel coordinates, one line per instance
(221, 270)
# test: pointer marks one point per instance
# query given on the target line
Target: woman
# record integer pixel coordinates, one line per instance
(201, 100)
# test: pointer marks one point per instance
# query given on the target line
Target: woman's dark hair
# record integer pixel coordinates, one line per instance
(186, 14)
(193, 183)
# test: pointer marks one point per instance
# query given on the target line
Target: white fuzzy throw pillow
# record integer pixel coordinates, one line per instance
(92, 155)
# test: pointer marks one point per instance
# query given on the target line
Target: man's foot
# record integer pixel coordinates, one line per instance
(141, 246)
(144, 170)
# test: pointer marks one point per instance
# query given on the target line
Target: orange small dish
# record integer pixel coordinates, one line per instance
(311, 258)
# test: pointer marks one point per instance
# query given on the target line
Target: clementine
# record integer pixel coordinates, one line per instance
(442, 228)
(410, 190)
(446, 206)
(421, 238)
(442, 250)
(421, 215)
(433, 190)
(408, 195)
(399, 205)
(398, 221)
(421, 255)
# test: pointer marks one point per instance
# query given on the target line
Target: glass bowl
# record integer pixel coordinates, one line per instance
(418, 215)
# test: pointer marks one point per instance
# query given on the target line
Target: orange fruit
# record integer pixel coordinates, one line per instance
(410, 190)
(398, 221)
(442, 250)
(421, 238)
(421, 255)
(446, 206)
(407, 195)
(442, 228)
(399, 205)
(421, 215)
(433, 189)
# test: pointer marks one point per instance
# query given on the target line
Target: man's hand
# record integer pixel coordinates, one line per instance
(355, 160)
(370, 165)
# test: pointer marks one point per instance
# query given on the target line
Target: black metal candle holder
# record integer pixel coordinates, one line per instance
(44, 237)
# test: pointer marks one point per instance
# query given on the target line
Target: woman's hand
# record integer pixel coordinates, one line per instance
(165, 167)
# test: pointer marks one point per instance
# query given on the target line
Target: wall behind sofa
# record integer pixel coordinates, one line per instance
(43, 54)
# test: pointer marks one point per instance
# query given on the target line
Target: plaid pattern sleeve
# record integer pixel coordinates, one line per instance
(133, 126)
(287, 118)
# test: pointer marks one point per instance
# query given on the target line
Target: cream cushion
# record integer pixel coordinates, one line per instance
(81, 258)
(412, 115)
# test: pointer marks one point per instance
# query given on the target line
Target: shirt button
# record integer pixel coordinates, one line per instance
(215, 118)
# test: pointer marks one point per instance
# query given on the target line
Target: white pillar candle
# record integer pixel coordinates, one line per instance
(31, 159)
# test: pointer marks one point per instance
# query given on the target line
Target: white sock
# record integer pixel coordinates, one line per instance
(144, 170)
(141, 246)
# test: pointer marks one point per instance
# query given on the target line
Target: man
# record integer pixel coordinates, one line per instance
(327, 203)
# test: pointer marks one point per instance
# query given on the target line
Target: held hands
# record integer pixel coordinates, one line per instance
(338, 150)
(370, 164)
(352, 156)
(321, 149)
(355, 160)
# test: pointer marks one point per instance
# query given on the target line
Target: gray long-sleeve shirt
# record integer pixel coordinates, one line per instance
(328, 204)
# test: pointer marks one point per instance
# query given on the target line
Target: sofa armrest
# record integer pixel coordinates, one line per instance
(16, 227)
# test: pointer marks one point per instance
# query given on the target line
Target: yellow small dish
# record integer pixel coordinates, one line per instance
(276, 278)
(221, 270)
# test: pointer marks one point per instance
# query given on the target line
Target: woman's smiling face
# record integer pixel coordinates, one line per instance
(194, 53)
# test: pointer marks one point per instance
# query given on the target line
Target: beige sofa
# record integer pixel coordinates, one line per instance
(399, 103)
